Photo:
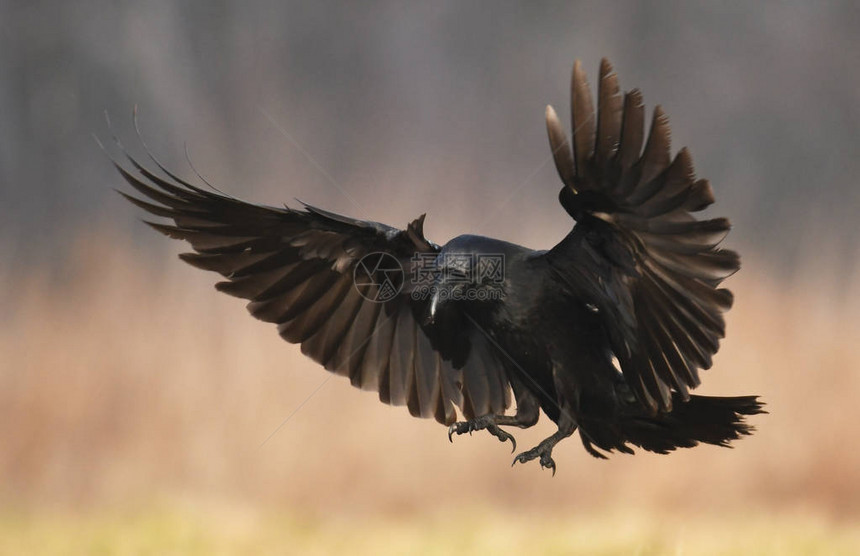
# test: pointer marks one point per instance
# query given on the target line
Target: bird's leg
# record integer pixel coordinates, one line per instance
(566, 427)
(528, 410)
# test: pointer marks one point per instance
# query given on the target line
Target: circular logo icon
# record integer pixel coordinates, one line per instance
(378, 277)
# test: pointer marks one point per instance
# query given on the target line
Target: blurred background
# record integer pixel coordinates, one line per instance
(140, 410)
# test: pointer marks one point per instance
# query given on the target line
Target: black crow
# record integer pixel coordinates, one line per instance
(605, 332)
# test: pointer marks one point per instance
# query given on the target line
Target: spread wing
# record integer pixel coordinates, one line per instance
(337, 286)
(637, 253)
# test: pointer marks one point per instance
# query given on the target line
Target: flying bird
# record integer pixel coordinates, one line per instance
(605, 333)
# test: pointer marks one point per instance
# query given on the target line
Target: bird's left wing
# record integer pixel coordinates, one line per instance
(637, 254)
(330, 283)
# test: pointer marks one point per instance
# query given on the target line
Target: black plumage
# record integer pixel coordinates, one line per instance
(636, 281)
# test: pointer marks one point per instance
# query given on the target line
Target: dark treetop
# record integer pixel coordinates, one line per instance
(605, 332)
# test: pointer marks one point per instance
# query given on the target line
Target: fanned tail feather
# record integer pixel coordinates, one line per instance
(700, 419)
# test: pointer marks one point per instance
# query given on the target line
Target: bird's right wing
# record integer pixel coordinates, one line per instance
(321, 277)
(637, 254)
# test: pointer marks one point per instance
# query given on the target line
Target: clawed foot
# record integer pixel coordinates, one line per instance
(541, 450)
(481, 423)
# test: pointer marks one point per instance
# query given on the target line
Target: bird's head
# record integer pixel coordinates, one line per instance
(468, 273)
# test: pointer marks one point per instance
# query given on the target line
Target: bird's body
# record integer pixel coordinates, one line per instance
(604, 333)
(543, 329)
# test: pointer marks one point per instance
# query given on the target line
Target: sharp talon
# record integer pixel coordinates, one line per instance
(548, 463)
(484, 423)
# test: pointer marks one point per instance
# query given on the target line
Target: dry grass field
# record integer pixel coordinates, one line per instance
(223, 531)
(137, 412)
